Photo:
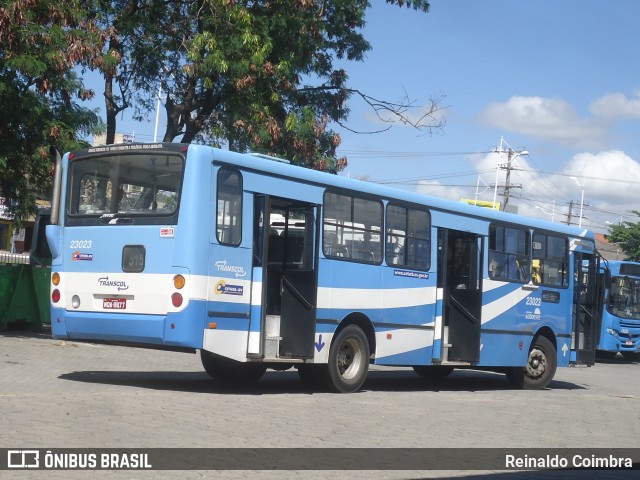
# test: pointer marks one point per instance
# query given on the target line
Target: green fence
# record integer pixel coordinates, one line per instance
(25, 282)
(24, 292)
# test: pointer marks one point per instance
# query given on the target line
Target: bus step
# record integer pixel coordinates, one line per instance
(282, 360)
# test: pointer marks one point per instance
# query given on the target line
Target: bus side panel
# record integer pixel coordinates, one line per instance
(403, 316)
(511, 317)
(255, 320)
(337, 299)
(407, 333)
(229, 302)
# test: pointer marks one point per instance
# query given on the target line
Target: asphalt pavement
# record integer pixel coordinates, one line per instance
(66, 395)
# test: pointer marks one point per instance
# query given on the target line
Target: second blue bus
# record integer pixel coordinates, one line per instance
(620, 324)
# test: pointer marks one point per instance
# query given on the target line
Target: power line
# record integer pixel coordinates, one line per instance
(401, 154)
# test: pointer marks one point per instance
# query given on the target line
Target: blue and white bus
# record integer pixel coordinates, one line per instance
(261, 264)
(620, 328)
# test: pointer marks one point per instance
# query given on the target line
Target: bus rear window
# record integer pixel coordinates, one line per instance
(136, 186)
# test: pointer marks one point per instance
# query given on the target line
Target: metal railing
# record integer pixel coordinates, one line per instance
(15, 258)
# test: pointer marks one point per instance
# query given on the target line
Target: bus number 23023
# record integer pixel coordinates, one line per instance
(80, 244)
(533, 301)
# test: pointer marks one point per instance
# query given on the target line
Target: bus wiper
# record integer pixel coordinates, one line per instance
(114, 219)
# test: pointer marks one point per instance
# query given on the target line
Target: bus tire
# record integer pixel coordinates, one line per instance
(348, 362)
(433, 372)
(230, 371)
(540, 369)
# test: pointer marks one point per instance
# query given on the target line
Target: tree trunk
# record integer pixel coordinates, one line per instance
(111, 109)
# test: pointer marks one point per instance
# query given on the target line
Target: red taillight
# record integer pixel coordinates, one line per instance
(176, 299)
(55, 296)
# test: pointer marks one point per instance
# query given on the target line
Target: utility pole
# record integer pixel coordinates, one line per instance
(511, 155)
(569, 213)
(507, 184)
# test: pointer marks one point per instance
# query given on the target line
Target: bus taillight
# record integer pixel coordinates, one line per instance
(176, 299)
(179, 282)
(55, 294)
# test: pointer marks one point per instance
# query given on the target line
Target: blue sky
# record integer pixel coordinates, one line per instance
(559, 79)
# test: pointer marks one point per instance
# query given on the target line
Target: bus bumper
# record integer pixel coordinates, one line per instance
(183, 329)
(615, 341)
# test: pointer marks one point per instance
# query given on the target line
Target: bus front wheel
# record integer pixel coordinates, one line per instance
(540, 369)
(227, 370)
(348, 360)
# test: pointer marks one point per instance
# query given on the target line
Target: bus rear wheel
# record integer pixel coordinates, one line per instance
(540, 369)
(348, 362)
(230, 371)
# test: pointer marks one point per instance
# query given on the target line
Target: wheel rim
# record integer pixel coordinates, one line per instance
(537, 363)
(349, 358)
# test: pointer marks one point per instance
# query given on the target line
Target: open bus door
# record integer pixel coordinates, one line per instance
(285, 244)
(460, 276)
(587, 307)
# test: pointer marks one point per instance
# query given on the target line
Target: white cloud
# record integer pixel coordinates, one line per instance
(545, 118)
(436, 189)
(611, 177)
(616, 106)
(610, 180)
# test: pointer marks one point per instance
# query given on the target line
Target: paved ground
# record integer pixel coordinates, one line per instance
(56, 394)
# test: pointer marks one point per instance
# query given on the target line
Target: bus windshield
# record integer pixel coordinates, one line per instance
(143, 187)
(624, 299)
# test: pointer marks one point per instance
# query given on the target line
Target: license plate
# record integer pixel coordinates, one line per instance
(114, 303)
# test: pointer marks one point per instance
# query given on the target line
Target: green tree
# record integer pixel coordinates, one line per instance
(42, 41)
(252, 74)
(627, 235)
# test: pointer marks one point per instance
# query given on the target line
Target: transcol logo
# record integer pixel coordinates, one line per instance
(222, 266)
(105, 282)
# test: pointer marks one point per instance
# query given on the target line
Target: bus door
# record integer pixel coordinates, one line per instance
(287, 242)
(460, 276)
(587, 304)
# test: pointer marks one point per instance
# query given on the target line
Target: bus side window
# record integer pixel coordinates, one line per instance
(229, 210)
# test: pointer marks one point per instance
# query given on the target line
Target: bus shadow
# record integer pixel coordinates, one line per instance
(288, 382)
(617, 360)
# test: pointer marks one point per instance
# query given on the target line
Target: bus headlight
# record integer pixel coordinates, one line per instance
(613, 332)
